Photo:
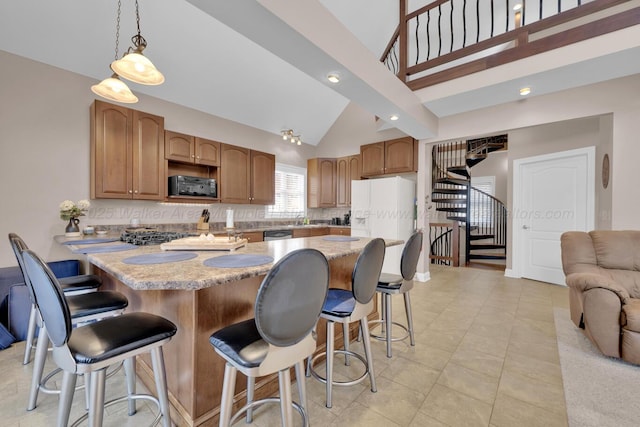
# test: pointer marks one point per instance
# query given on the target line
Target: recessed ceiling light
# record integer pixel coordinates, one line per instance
(333, 77)
(394, 117)
(525, 91)
(517, 7)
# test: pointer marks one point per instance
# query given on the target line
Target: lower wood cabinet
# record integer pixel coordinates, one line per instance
(310, 232)
(253, 236)
(339, 231)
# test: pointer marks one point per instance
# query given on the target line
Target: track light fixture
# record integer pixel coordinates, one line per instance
(287, 134)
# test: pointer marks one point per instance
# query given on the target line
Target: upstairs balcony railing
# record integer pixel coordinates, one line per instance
(447, 39)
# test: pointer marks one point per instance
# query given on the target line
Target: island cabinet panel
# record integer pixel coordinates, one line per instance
(321, 183)
(127, 153)
(310, 232)
(372, 156)
(340, 231)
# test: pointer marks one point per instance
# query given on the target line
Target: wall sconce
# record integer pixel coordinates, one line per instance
(287, 134)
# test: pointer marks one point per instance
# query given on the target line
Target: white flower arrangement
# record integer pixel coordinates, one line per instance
(69, 210)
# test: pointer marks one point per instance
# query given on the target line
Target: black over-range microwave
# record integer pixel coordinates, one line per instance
(180, 185)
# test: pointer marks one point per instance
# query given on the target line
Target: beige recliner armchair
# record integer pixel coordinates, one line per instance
(602, 271)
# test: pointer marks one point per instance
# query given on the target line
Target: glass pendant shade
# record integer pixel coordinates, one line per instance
(136, 67)
(114, 89)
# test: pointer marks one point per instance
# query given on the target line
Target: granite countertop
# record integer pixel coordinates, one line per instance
(193, 274)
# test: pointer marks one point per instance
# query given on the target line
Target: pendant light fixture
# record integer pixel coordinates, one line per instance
(113, 88)
(134, 65)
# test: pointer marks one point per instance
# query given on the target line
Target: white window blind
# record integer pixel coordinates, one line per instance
(481, 207)
(290, 192)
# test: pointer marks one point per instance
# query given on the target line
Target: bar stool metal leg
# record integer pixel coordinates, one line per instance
(345, 339)
(286, 403)
(388, 321)
(31, 332)
(329, 362)
(364, 324)
(302, 386)
(130, 374)
(251, 385)
(228, 390)
(42, 345)
(96, 406)
(407, 309)
(66, 397)
(160, 376)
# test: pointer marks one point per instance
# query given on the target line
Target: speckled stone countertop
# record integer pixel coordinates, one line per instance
(193, 274)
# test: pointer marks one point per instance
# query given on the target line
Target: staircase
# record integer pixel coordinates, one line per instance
(483, 217)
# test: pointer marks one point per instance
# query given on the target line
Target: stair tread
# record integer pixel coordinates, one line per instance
(456, 200)
(486, 246)
(449, 191)
(481, 236)
(455, 181)
(452, 209)
(479, 256)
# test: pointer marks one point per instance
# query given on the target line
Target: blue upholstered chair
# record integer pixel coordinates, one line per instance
(393, 284)
(90, 349)
(287, 308)
(347, 306)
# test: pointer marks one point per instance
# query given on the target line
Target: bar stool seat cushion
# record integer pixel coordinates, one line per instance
(79, 283)
(111, 337)
(242, 343)
(95, 303)
(339, 303)
(392, 281)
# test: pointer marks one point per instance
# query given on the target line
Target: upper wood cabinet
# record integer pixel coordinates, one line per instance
(347, 169)
(246, 176)
(127, 153)
(179, 147)
(321, 183)
(389, 157)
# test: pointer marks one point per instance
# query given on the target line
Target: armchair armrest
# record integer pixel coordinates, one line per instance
(587, 281)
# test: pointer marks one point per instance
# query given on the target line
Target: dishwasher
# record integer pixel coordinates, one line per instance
(277, 234)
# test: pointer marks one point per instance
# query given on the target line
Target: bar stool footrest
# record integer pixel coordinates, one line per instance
(340, 383)
(149, 397)
(384, 336)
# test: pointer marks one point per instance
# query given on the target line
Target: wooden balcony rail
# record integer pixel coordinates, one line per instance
(447, 39)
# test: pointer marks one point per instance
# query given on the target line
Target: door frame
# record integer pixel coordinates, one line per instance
(517, 220)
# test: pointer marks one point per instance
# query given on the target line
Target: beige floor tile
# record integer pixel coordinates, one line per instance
(426, 354)
(467, 381)
(443, 340)
(423, 420)
(533, 368)
(509, 412)
(496, 346)
(394, 401)
(483, 363)
(456, 409)
(538, 393)
(411, 374)
(357, 415)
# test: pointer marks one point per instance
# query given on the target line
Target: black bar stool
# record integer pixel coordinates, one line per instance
(393, 284)
(347, 306)
(84, 307)
(92, 348)
(73, 285)
(287, 308)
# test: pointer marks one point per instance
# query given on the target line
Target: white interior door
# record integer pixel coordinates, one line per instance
(552, 194)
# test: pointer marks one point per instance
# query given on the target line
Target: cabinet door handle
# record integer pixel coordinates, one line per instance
(197, 157)
(130, 192)
(135, 192)
(192, 156)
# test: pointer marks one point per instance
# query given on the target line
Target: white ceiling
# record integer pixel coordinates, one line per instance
(255, 69)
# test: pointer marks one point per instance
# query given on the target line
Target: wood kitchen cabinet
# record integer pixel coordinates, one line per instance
(127, 153)
(347, 169)
(389, 157)
(321, 183)
(179, 147)
(310, 232)
(340, 231)
(246, 176)
(253, 236)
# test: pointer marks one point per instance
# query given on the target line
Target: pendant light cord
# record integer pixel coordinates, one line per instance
(137, 40)
(118, 29)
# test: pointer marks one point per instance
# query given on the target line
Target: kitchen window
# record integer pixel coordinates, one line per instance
(291, 185)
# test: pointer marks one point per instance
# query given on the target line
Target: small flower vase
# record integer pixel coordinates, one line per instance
(72, 229)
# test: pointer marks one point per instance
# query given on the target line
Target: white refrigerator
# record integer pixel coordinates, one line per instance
(384, 207)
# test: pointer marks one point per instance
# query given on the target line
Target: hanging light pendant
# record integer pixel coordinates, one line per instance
(134, 65)
(113, 88)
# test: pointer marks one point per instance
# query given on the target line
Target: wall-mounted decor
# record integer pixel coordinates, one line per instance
(605, 171)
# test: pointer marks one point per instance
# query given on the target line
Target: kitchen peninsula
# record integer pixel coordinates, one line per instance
(201, 300)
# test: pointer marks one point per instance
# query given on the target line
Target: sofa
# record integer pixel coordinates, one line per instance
(602, 271)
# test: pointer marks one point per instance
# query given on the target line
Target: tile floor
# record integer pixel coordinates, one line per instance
(485, 355)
